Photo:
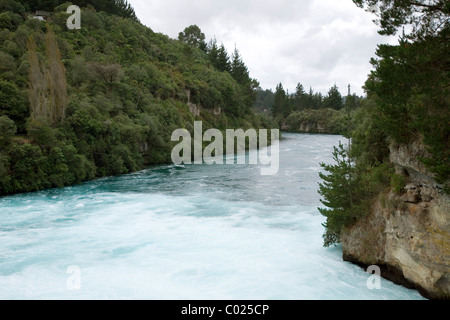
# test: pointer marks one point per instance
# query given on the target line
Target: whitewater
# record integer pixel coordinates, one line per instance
(189, 232)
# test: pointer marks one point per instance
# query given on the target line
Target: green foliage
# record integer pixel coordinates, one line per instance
(12, 6)
(348, 191)
(10, 20)
(309, 109)
(120, 8)
(334, 99)
(422, 16)
(280, 103)
(410, 86)
(370, 141)
(27, 169)
(7, 130)
(337, 190)
(127, 90)
(218, 56)
(13, 104)
(317, 121)
(193, 37)
(398, 183)
(408, 100)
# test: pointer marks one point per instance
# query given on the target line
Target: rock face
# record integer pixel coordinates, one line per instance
(308, 127)
(407, 234)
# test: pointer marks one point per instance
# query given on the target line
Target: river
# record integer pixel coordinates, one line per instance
(197, 232)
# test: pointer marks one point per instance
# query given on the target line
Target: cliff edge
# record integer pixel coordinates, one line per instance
(407, 233)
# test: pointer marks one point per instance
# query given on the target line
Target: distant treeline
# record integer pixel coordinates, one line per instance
(309, 111)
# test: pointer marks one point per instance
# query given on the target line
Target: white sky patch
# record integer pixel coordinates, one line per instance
(318, 43)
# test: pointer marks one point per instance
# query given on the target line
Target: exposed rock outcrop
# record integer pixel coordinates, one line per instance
(195, 109)
(308, 127)
(407, 234)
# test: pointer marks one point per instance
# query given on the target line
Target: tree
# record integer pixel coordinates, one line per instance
(124, 9)
(37, 86)
(223, 60)
(13, 104)
(193, 37)
(213, 52)
(12, 5)
(117, 7)
(56, 79)
(300, 101)
(313, 100)
(423, 17)
(7, 130)
(280, 102)
(109, 74)
(218, 56)
(334, 99)
(239, 70)
(48, 86)
(338, 194)
(409, 83)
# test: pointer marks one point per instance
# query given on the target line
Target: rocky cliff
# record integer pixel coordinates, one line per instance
(407, 234)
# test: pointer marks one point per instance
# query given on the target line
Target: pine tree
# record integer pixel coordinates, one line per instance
(300, 98)
(334, 99)
(280, 101)
(223, 60)
(213, 52)
(338, 191)
(423, 17)
(239, 70)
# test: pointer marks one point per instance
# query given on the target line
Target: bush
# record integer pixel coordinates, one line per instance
(398, 183)
(10, 20)
(27, 163)
(7, 130)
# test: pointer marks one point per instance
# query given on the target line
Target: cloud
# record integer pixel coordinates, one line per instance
(316, 42)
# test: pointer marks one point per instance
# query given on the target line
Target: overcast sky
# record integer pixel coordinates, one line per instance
(318, 43)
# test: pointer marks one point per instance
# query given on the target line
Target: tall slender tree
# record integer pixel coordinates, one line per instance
(56, 79)
(223, 60)
(47, 84)
(279, 104)
(37, 86)
(239, 70)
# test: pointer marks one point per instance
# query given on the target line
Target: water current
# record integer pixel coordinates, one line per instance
(183, 232)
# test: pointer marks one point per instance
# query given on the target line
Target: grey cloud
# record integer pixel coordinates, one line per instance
(315, 42)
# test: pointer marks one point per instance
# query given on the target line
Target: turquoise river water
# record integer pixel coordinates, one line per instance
(183, 232)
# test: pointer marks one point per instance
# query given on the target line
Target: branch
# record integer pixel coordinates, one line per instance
(435, 7)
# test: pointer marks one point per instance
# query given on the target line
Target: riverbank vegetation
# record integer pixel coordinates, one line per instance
(104, 100)
(408, 101)
(309, 111)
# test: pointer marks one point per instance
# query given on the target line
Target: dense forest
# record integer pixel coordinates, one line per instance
(308, 111)
(117, 7)
(407, 101)
(104, 100)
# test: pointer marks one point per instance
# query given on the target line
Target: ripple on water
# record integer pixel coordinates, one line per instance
(183, 232)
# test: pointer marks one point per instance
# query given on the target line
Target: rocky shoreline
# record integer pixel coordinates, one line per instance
(407, 233)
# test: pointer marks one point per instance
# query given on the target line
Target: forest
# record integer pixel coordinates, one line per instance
(308, 111)
(407, 102)
(76, 105)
